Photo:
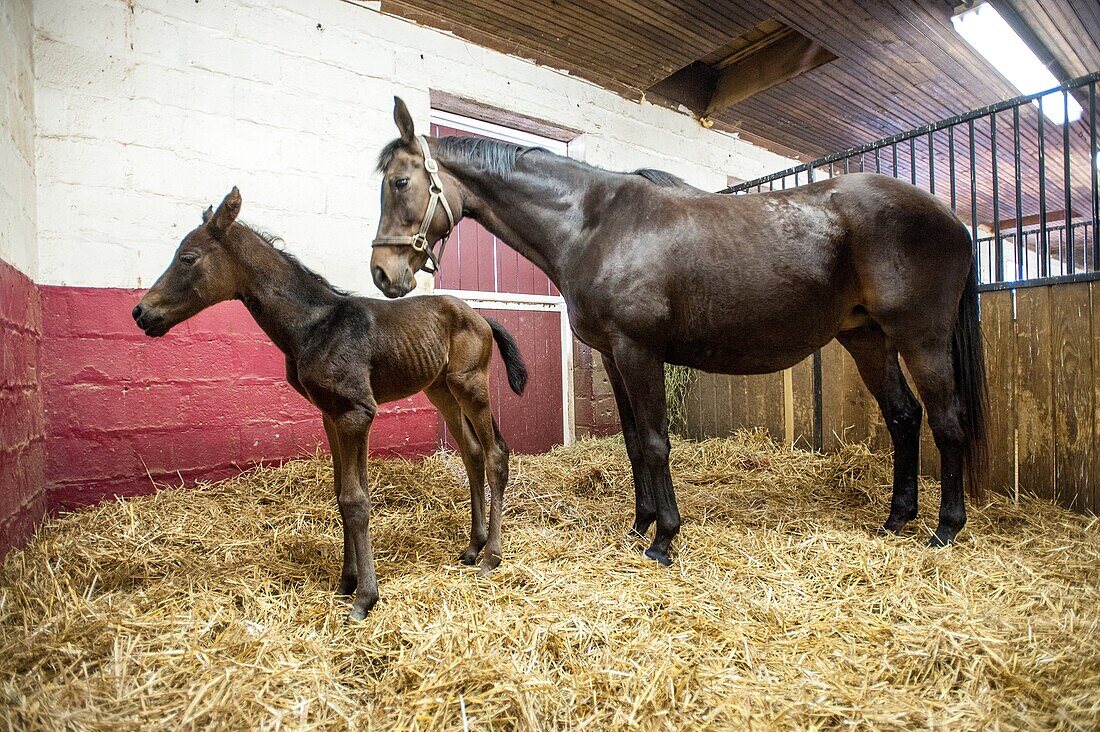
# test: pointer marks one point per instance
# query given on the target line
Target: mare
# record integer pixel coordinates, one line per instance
(655, 271)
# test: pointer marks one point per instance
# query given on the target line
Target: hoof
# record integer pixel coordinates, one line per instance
(347, 586)
(469, 557)
(356, 616)
(636, 536)
(939, 542)
(491, 562)
(658, 556)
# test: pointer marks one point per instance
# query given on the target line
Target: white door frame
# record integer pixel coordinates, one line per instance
(515, 300)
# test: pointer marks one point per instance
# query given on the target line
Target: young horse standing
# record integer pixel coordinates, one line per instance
(346, 355)
(656, 271)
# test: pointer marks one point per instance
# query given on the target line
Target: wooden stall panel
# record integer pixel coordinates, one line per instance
(999, 331)
(1034, 393)
(1092, 502)
(1073, 384)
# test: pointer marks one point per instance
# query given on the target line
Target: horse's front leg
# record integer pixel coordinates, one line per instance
(348, 578)
(645, 506)
(643, 375)
(353, 428)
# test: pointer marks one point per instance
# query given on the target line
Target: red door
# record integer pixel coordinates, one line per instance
(508, 288)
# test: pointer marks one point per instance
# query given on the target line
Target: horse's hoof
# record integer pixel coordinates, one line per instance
(636, 536)
(355, 616)
(469, 557)
(658, 556)
(491, 562)
(347, 586)
(939, 542)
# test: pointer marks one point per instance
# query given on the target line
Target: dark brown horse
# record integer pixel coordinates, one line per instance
(346, 355)
(655, 271)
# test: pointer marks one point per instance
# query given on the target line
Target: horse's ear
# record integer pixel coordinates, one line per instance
(403, 120)
(207, 214)
(227, 212)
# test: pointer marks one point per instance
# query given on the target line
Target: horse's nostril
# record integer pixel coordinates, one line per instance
(380, 278)
(136, 312)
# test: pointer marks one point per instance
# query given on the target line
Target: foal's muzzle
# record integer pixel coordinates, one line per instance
(151, 322)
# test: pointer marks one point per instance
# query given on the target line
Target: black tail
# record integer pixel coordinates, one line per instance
(509, 351)
(970, 387)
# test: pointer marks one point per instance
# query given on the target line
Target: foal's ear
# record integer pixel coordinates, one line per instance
(223, 218)
(207, 214)
(403, 120)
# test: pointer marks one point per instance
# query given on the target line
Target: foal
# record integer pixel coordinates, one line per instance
(346, 355)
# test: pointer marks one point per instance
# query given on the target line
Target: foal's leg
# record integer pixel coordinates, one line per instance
(932, 365)
(353, 428)
(877, 361)
(348, 578)
(473, 457)
(471, 389)
(645, 507)
(644, 378)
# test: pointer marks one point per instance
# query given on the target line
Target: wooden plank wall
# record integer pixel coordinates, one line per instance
(1042, 349)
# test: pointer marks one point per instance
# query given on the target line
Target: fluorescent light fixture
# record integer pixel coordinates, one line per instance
(987, 33)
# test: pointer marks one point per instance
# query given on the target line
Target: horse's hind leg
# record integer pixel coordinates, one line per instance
(877, 361)
(932, 366)
(645, 507)
(473, 458)
(471, 390)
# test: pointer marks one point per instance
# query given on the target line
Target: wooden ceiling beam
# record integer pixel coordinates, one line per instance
(777, 58)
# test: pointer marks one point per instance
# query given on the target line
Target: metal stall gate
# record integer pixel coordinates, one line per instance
(1023, 175)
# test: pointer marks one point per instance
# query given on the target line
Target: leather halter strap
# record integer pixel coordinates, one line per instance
(419, 241)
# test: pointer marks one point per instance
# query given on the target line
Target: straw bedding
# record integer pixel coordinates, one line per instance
(213, 608)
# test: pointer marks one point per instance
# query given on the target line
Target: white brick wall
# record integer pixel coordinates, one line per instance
(148, 110)
(17, 178)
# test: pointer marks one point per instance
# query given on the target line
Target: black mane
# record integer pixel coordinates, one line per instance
(498, 158)
(273, 241)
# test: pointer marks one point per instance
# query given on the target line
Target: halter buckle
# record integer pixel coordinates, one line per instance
(430, 165)
(419, 242)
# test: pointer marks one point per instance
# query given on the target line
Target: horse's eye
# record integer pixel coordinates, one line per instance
(401, 183)
(189, 258)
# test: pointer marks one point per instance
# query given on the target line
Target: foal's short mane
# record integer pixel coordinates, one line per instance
(497, 157)
(272, 240)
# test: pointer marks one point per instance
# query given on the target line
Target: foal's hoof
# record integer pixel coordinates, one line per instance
(636, 536)
(658, 556)
(492, 561)
(469, 557)
(356, 616)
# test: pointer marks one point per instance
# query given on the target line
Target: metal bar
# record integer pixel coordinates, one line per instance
(1040, 281)
(894, 147)
(973, 192)
(1067, 184)
(878, 166)
(924, 129)
(1044, 240)
(819, 422)
(913, 160)
(951, 169)
(1094, 158)
(846, 164)
(1021, 250)
(998, 245)
(931, 164)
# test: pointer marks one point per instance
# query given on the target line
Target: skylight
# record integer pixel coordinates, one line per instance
(987, 33)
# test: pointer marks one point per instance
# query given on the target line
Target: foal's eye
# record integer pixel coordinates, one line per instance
(189, 258)
(401, 183)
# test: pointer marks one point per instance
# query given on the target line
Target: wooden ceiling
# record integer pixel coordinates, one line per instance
(899, 62)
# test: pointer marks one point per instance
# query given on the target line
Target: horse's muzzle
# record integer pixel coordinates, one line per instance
(390, 288)
(152, 323)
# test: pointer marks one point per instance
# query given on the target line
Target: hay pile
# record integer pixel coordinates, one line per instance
(213, 607)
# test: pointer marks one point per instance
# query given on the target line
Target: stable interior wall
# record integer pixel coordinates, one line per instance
(146, 111)
(22, 429)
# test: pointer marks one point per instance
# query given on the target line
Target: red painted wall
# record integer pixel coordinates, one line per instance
(22, 431)
(202, 402)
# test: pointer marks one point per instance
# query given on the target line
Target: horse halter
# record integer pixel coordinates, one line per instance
(419, 241)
